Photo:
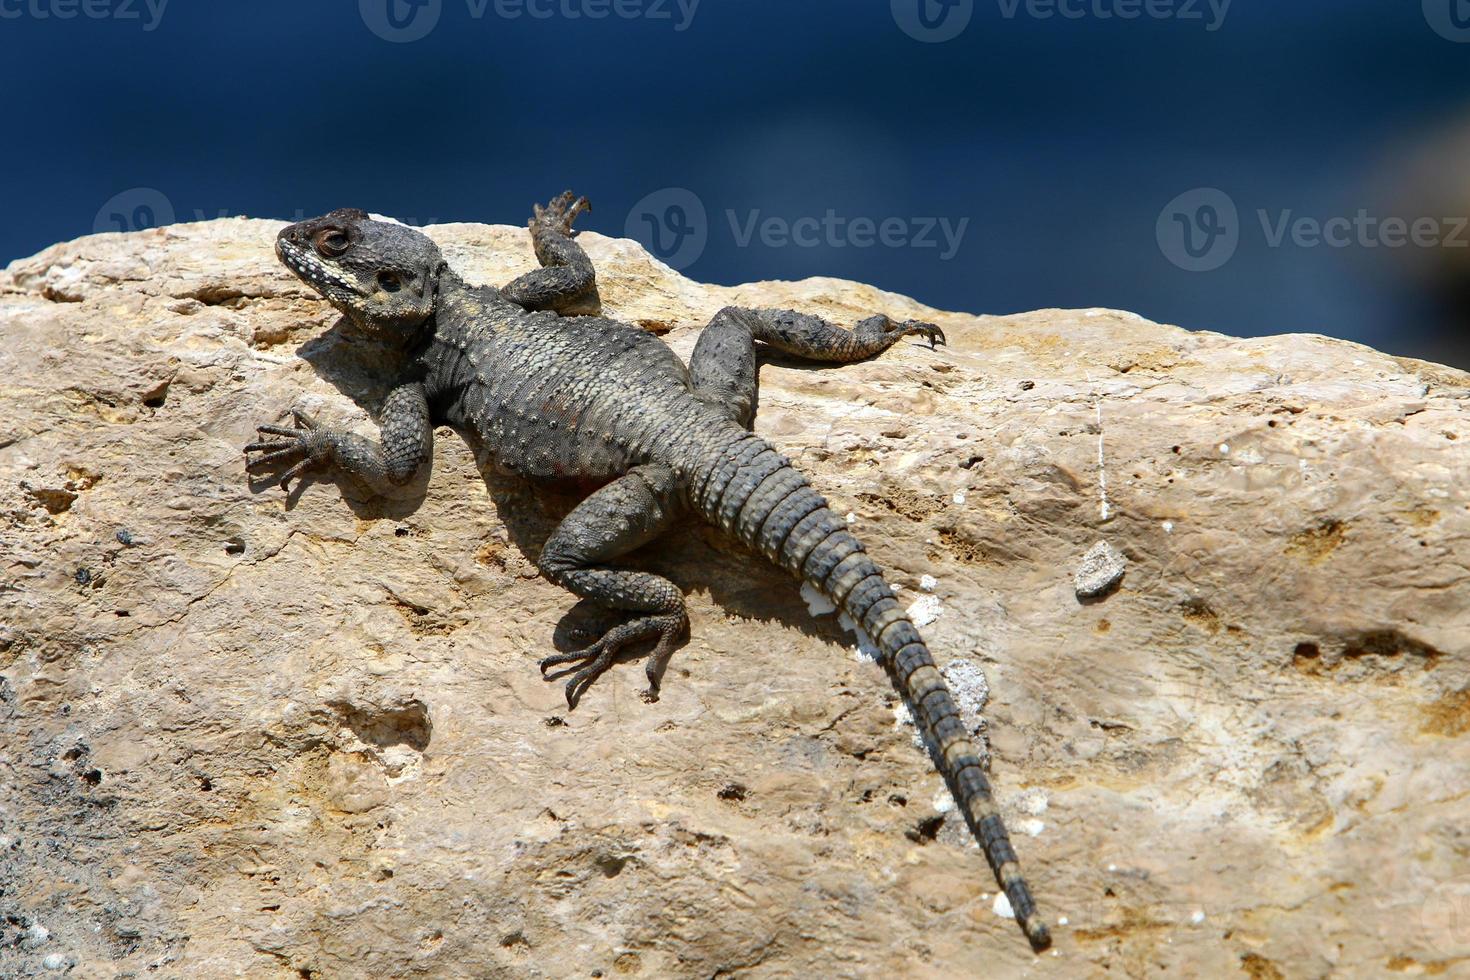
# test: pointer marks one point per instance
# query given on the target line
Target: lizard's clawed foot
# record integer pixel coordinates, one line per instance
(306, 446)
(928, 331)
(600, 656)
(560, 213)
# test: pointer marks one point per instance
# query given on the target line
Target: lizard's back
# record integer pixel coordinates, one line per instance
(556, 397)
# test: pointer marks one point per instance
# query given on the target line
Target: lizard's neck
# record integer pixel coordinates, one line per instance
(458, 302)
(463, 320)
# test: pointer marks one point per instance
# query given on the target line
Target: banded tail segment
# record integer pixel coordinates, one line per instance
(752, 492)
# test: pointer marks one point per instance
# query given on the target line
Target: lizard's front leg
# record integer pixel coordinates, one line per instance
(724, 363)
(566, 283)
(407, 443)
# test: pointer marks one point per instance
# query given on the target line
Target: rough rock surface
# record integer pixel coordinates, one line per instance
(247, 735)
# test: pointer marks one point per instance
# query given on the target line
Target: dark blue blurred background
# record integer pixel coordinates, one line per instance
(1063, 140)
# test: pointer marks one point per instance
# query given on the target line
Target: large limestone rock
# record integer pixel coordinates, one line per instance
(246, 734)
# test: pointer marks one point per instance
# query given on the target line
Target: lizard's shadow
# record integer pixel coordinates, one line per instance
(693, 555)
(353, 364)
(696, 557)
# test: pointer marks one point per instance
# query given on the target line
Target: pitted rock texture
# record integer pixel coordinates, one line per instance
(247, 734)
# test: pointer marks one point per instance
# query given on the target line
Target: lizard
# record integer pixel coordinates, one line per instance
(556, 391)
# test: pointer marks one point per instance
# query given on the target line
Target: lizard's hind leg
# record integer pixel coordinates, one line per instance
(620, 517)
(723, 365)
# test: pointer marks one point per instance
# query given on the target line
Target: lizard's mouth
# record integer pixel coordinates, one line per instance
(310, 269)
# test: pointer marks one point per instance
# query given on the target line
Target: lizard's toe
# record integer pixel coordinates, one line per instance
(303, 447)
(928, 331)
(594, 660)
(560, 213)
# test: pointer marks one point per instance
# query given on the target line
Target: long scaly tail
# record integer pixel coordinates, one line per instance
(751, 491)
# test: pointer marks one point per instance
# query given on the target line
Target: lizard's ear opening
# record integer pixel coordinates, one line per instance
(401, 301)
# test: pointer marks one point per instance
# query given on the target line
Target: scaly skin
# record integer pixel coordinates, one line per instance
(558, 395)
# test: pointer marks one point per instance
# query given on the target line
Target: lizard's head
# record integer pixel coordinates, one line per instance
(381, 274)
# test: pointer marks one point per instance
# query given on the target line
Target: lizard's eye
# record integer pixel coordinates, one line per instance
(332, 242)
(389, 282)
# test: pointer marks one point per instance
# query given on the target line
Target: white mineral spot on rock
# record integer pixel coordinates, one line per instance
(943, 801)
(401, 763)
(1062, 920)
(816, 603)
(865, 645)
(1197, 916)
(925, 610)
(959, 497)
(1002, 906)
(1168, 527)
(1224, 449)
(970, 689)
(928, 583)
(1031, 826)
(1033, 801)
(904, 718)
(1101, 569)
(851, 518)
